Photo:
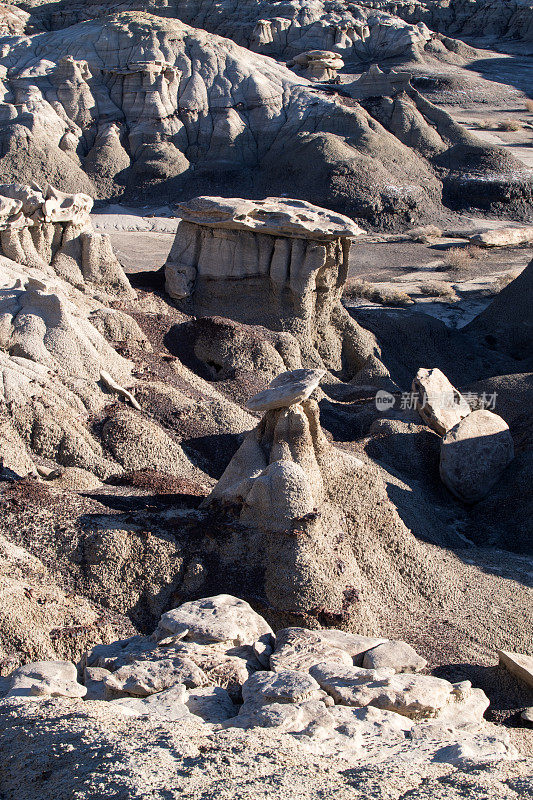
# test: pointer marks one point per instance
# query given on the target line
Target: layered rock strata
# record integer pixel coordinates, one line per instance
(277, 263)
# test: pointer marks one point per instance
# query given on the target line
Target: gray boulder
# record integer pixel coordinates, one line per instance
(474, 454)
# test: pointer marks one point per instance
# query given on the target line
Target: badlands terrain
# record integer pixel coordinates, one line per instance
(266, 376)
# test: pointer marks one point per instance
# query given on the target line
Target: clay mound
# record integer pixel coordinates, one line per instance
(329, 529)
(507, 324)
(42, 620)
(167, 108)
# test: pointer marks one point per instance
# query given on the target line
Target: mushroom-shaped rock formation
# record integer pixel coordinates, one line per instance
(51, 231)
(277, 263)
(318, 65)
(322, 529)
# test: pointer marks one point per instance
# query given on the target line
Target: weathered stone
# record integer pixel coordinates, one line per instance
(276, 263)
(339, 680)
(275, 215)
(527, 715)
(474, 453)
(146, 677)
(439, 404)
(285, 686)
(286, 389)
(300, 649)
(398, 655)
(412, 695)
(504, 237)
(216, 619)
(518, 664)
(297, 716)
(168, 705)
(354, 644)
(45, 679)
(116, 654)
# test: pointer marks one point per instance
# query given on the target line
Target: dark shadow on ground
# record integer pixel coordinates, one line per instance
(508, 697)
(513, 71)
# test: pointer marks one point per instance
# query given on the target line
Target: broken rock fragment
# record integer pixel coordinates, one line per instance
(518, 664)
(439, 404)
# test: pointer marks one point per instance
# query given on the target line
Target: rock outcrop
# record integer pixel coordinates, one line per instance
(207, 675)
(282, 31)
(51, 231)
(277, 263)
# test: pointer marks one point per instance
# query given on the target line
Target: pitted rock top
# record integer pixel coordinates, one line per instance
(274, 215)
(287, 389)
(222, 618)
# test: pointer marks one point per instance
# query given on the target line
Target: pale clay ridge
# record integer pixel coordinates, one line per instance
(55, 358)
(143, 104)
(285, 31)
(200, 667)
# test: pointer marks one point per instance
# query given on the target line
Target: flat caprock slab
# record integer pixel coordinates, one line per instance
(275, 215)
(518, 664)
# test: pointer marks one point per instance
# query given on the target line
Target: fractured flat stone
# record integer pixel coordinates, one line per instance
(518, 664)
(293, 386)
(274, 215)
